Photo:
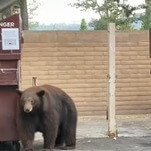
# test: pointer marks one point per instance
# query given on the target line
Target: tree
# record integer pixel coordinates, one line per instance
(83, 25)
(32, 7)
(24, 14)
(146, 17)
(28, 12)
(114, 11)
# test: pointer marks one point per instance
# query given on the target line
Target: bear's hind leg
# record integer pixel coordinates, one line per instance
(70, 131)
(70, 138)
(60, 138)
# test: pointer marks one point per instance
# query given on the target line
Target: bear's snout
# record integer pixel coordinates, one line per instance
(27, 107)
(27, 110)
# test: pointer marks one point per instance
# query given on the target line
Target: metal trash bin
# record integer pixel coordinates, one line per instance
(10, 56)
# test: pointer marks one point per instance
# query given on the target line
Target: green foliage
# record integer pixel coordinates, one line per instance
(146, 17)
(33, 25)
(98, 24)
(83, 25)
(122, 14)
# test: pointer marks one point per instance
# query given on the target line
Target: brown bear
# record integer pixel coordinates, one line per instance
(49, 110)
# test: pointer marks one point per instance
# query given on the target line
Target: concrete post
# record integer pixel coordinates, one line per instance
(112, 130)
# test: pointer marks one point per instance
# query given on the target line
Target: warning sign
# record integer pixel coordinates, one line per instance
(10, 38)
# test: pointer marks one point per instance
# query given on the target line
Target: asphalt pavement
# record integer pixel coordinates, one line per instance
(134, 134)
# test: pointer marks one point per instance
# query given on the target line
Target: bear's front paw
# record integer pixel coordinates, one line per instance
(68, 147)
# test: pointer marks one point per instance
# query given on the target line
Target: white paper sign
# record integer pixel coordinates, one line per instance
(10, 39)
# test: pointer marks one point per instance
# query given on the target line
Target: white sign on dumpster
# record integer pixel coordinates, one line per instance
(10, 39)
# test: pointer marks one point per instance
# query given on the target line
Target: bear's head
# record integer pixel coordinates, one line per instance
(30, 99)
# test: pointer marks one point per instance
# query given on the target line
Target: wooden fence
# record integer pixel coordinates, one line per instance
(77, 62)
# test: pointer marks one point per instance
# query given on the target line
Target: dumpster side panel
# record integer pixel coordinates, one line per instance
(8, 72)
(10, 55)
(8, 103)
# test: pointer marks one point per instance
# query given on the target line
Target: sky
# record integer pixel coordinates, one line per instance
(58, 11)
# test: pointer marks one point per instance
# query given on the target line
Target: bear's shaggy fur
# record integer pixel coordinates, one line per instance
(49, 110)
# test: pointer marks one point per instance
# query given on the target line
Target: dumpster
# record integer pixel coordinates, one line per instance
(10, 56)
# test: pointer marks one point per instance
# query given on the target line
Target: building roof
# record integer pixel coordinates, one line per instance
(5, 3)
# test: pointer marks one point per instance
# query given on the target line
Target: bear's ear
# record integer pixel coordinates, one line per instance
(19, 92)
(41, 93)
